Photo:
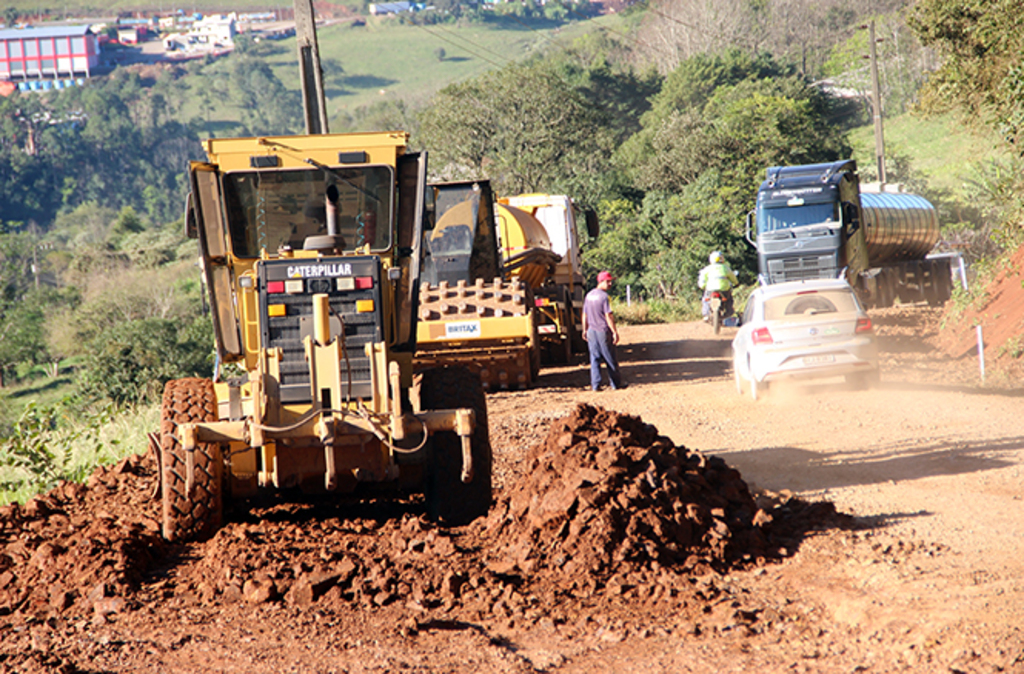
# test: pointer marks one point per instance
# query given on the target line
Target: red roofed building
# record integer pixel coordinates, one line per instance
(47, 53)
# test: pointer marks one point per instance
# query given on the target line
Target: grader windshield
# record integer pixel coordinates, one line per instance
(268, 210)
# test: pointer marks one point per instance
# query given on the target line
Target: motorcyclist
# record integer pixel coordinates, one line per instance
(717, 276)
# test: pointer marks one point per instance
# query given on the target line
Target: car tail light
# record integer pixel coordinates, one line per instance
(863, 325)
(761, 336)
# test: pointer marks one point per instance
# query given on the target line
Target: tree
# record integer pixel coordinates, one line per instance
(21, 305)
(736, 115)
(267, 106)
(526, 127)
(981, 73)
(712, 130)
(132, 364)
(21, 335)
(104, 143)
(128, 222)
(799, 33)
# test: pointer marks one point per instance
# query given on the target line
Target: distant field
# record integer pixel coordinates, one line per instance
(939, 147)
(385, 59)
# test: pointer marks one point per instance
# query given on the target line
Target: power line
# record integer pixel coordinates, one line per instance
(480, 56)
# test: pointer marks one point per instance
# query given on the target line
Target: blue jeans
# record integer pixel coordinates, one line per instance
(601, 347)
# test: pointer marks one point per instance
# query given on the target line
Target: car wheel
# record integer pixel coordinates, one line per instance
(738, 378)
(756, 390)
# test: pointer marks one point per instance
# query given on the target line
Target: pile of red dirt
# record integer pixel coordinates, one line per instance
(81, 547)
(605, 507)
(605, 494)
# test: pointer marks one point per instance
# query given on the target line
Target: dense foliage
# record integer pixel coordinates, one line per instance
(113, 142)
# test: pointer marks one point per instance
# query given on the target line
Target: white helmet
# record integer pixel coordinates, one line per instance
(716, 257)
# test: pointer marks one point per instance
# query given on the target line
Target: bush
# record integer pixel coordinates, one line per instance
(656, 311)
(49, 444)
(132, 364)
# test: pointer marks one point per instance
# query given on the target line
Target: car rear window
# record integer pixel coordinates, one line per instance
(809, 303)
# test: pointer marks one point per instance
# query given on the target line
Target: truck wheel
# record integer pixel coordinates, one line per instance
(199, 513)
(886, 292)
(536, 346)
(935, 292)
(535, 358)
(450, 500)
(570, 326)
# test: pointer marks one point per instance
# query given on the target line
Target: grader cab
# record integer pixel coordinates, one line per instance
(310, 248)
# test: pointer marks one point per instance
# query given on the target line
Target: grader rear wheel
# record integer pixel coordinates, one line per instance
(196, 513)
(450, 500)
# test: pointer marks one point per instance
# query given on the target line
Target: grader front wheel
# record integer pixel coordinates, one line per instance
(197, 512)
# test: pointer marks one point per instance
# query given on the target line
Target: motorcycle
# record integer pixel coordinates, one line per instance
(719, 308)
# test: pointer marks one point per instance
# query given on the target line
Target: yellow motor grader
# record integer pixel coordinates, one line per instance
(310, 248)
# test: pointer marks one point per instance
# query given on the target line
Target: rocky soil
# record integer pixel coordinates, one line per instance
(672, 526)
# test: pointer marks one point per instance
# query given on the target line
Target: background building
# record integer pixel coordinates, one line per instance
(47, 53)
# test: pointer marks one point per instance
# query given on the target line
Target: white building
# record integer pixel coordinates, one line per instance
(208, 33)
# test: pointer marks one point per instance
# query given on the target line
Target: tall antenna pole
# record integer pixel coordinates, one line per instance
(876, 100)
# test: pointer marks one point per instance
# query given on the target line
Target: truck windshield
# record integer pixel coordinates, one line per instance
(786, 217)
(275, 208)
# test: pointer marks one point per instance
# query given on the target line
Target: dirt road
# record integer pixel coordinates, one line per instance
(926, 575)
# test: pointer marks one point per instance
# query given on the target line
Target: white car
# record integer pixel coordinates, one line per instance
(804, 330)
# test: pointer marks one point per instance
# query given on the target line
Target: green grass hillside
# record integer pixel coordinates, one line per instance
(385, 59)
(939, 148)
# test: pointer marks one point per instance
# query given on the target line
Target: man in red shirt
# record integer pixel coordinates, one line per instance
(600, 332)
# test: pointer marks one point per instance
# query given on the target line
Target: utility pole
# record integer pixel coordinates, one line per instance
(314, 102)
(876, 100)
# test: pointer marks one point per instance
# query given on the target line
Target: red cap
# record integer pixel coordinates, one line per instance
(604, 276)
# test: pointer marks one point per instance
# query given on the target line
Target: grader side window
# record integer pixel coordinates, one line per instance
(268, 209)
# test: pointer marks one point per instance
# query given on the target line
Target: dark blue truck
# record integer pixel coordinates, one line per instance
(818, 221)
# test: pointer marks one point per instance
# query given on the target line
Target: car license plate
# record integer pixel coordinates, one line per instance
(819, 360)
